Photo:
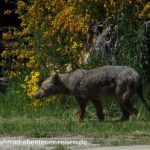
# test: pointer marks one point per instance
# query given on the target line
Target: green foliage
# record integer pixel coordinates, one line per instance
(134, 48)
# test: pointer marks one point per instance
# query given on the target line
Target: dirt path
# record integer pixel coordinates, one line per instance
(75, 143)
(137, 147)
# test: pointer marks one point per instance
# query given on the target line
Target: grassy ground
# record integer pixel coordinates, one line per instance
(58, 127)
(58, 120)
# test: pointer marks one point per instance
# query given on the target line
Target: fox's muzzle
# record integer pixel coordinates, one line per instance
(39, 94)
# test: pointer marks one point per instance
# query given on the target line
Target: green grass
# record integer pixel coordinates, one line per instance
(59, 127)
(105, 133)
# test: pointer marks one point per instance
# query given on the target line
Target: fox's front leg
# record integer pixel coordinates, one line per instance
(99, 108)
(82, 107)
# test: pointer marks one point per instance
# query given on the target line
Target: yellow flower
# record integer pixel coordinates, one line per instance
(75, 45)
(37, 74)
(21, 4)
(81, 45)
(7, 12)
(30, 84)
(6, 36)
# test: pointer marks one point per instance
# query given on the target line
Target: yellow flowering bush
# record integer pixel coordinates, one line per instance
(145, 11)
(31, 83)
(140, 8)
(49, 31)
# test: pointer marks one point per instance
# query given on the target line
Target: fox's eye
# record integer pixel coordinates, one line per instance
(45, 87)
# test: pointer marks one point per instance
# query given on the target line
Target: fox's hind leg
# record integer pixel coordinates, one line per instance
(127, 110)
(124, 96)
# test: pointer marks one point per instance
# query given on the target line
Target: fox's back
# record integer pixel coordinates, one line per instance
(106, 79)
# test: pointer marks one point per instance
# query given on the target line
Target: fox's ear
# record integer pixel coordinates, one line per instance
(55, 78)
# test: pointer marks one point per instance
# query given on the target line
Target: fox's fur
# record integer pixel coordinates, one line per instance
(118, 81)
